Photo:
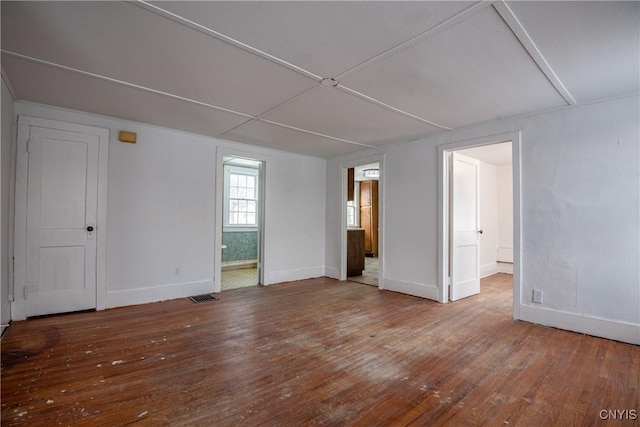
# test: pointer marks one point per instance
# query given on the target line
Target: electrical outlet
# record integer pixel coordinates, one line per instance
(177, 271)
(537, 296)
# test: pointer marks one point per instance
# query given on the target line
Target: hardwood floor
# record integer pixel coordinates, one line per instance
(315, 352)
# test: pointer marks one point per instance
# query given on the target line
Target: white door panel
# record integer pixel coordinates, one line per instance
(465, 253)
(62, 197)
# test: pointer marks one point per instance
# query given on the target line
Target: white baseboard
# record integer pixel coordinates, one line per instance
(417, 289)
(157, 293)
(332, 272)
(292, 275)
(605, 328)
(488, 269)
(235, 265)
(505, 267)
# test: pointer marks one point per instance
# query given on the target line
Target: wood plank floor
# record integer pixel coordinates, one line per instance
(314, 352)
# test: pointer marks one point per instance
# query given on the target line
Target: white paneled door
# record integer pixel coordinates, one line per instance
(62, 201)
(465, 252)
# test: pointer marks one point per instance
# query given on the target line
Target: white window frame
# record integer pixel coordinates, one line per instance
(355, 204)
(240, 170)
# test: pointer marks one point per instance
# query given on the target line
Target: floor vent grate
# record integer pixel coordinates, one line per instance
(203, 298)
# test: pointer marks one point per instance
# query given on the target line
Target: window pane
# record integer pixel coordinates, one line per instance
(242, 194)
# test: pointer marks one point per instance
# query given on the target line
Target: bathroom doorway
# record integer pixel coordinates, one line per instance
(242, 224)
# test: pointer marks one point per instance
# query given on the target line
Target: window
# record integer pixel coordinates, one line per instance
(353, 208)
(241, 197)
(351, 214)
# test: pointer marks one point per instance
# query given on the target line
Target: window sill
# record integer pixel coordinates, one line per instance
(236, 229)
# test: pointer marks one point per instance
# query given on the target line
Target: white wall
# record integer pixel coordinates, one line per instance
(505, 213)
(295, 218)
(7, 143)
(161, 204)
(581, 212)
(489, 219)
(580, 215)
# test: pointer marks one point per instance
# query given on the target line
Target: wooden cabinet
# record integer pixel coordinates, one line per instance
(369, 216)
(355, 252)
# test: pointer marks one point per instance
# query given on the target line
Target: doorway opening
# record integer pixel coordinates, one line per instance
(479, 219)
(363, 202)
(241, 222)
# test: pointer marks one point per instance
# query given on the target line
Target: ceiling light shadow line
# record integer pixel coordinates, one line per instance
(123, 83)
(270, 110)
(310, 132)
(224, 38)
(512, 21)
(389, 107)
(430, 32)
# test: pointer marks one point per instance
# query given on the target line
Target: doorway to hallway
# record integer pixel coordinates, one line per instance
(363, 221)
(480, 215)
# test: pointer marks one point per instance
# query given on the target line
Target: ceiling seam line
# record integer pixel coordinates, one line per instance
(223, 38)
(270, 110)
(287, 102)
(389, 107)
(430, 32)
(516, 27)
(246, 122)
(5, 78)
(310, 132)
(124, 83)
(181, 98)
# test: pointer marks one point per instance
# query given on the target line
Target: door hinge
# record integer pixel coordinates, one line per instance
(26, 292)
(29, 145)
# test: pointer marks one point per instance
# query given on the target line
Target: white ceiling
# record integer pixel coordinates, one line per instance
(494, 154)
(251, 71)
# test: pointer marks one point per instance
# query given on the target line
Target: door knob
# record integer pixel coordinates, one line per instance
(90, 229)
(480, 231)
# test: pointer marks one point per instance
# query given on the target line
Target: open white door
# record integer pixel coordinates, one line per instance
(62, 199)
(465, 231)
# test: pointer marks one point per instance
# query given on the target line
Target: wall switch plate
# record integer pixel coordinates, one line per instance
(177, 271)
(537, 296)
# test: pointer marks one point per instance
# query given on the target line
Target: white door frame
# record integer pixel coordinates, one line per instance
(344, 166)
(222, 152)
(443, 212)
(19, 306)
